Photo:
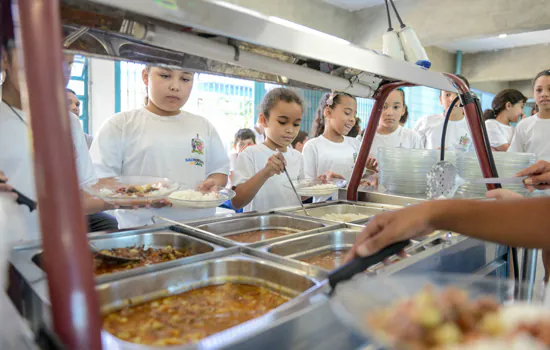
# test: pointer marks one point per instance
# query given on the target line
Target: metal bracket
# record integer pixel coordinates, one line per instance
(233, 42)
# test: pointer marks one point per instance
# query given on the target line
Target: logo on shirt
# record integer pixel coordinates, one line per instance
(194, 161)
(197, 145)
(464, 142)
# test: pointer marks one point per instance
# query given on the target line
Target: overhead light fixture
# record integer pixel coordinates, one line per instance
(502, 36)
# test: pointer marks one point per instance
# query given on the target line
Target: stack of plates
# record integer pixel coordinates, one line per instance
(508, 164)
(403, 171)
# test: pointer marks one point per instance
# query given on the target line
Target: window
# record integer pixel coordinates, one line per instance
(79, 84)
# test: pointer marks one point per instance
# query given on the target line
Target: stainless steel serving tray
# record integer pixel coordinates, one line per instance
(343, 207)
(28, 261)
(319, 243)
(231, 265)
(218, 230)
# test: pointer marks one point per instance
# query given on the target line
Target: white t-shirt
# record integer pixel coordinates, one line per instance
(499, 134)
(322, 155)
(400, 138)
(532, 136)
(185, 148)
(16, 159)
(260, 138)
(430, 130)
(275, 193)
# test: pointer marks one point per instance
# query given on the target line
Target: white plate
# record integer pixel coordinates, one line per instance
(108, 189)
(307, 188)
(222, 195)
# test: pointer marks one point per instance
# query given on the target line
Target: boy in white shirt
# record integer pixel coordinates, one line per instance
(161, 140)
(16, 161)
(259, 179)
(430, 128)
(533, 133)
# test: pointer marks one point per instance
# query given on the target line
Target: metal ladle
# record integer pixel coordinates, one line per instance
(111, 257)
(296, 193)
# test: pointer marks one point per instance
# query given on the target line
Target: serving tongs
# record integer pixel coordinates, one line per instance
(107, 255)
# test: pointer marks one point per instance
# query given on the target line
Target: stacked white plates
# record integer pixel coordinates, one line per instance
(507, 163)
(403, 171)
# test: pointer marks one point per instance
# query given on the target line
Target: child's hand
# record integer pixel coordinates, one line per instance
(329, 175)
(207, 186)
(275, 165)
(372, 164)
(502, 193)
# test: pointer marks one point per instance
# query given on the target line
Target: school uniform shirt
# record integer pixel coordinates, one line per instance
(276, 191)
(184, 148)
(16, 159)
(498, 133)
(531, 136)
(260, 138)
(322, 155)
(400, 138)
(430, 130)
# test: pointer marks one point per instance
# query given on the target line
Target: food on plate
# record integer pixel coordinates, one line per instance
(321, 187)
(148, 256)
(135, 191)
(450, 320)
(192, 195)
(191, 316)
(344, 217)
(258, 235)
(327, 260)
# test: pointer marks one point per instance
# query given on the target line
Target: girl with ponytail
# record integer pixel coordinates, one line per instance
(507, 107)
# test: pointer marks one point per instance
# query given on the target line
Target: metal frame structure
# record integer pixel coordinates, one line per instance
(176, 29)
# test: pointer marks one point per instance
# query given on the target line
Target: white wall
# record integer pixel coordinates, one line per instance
(102, 92)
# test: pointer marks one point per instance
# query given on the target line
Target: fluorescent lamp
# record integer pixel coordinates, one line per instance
(502, 36)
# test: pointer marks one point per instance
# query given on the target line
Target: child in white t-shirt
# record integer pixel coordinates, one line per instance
(430, 128)
(161, 140)
(332, 154)
(532, 134)
(389, 133)
(507, 107)
(259, 179)
(243, 139)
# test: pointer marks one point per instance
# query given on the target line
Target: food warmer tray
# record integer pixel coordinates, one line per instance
(27, 260)
(218, 230)
(230, 265)
(309, 247)
(342, 207)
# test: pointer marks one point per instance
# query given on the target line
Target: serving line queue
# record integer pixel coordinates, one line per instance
(162, 140)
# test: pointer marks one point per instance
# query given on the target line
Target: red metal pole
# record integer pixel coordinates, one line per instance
(380, 98)
(68, 260)
(474, 122)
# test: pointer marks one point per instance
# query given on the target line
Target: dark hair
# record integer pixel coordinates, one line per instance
(405, 116)
(244, 134)
(6, 25)
(71, 91)
(463, 79)
(279, 94)
(320, 114)
(544, 73)
(356, 128)
(300, 138)
(500, 101)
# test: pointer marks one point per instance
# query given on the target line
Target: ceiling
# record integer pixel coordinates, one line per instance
(355, 5)
(498, 43)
